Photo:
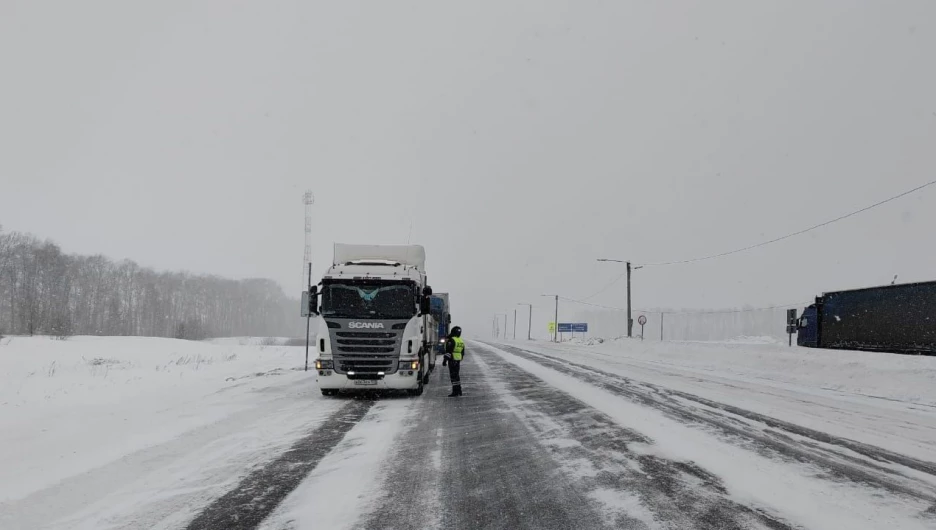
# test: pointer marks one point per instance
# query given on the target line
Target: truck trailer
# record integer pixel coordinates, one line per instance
(373, 325)
(890, 318)
(442, 317)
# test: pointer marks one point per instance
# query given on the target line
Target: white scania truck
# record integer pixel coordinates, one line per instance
(374, 328)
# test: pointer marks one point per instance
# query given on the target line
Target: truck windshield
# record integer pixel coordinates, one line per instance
(368, 300)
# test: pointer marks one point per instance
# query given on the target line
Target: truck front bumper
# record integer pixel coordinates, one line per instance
(401, 380)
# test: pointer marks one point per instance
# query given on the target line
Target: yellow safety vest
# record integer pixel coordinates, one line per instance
(459, 348)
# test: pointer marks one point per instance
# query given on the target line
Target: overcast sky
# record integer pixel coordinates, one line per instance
(517, 140)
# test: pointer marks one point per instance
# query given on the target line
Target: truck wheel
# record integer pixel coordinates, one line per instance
(417, 391)
(329, 391)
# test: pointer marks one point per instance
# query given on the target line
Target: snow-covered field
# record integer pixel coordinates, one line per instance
(94, 428)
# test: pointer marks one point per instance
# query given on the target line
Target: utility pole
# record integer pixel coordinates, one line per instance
(515, 324)
(530, 325)
(497, 320)
(630, 321)
(555, 331)
(661, 326)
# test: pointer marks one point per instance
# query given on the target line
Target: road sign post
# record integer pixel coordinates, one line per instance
(642, 320)
(791, 324)
(573, 328)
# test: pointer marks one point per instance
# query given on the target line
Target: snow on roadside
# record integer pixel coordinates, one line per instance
(348, 480)
(882, 375)
(795, 492)
(67, 407)
(256, 341)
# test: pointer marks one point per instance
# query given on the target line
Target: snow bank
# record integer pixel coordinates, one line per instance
(880, 375)
(591, 341)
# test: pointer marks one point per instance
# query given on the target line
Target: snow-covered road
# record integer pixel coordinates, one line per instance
(547, 436)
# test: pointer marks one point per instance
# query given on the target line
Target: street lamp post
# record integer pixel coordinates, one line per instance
(630, 321)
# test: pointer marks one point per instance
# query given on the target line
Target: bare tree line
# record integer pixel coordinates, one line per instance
(45, 291)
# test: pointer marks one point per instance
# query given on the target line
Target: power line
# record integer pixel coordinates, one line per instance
(799, 232)
(727, 311)
(702, 312)
(606, 287)
(590, 304)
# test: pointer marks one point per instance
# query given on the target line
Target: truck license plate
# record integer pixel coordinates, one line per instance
(363, 382)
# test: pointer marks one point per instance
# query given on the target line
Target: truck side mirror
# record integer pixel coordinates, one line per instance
(427, 291)
(424, 306)
(310, 302)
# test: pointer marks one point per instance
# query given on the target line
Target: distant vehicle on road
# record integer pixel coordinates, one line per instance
(442, 318)
(890, 318)
(374, 325)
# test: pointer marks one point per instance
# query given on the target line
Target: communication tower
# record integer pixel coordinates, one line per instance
(308, 199)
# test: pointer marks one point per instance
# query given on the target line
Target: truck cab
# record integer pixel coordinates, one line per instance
(374, 331)
(808, 328)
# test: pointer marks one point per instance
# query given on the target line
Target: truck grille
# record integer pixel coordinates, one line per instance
(365, 352)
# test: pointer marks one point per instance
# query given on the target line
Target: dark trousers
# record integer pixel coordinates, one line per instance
(454, 368)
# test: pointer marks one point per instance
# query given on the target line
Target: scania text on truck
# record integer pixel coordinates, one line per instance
(373, 328)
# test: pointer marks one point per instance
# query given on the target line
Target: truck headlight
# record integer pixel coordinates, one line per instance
(324, 364)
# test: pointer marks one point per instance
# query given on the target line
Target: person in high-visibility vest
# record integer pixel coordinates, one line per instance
(454, 353)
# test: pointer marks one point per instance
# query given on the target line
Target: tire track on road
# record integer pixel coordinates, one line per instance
(469, 462)
(639, 490)
(260, 492)
(411, 496)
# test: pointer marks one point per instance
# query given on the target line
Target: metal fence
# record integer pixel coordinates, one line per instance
(752, 324)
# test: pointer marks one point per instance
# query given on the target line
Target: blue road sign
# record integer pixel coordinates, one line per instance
(565, 327)
(580, 328)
